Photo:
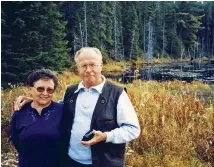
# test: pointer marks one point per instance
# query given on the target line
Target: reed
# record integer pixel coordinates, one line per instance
(173, 119)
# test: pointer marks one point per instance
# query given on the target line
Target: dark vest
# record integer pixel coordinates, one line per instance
(104, 119)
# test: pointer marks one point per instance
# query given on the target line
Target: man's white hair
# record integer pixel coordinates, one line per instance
(88, 49)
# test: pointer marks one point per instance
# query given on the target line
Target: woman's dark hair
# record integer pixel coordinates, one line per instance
(42, 74)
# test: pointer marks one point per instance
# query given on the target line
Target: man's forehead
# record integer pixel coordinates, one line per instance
(89, 56)
(88, 53)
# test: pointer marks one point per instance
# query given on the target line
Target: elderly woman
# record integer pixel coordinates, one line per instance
(35, 128)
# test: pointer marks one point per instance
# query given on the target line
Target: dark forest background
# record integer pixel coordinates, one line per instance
(38, 35)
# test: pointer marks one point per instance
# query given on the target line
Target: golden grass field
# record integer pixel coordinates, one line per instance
(176, 119)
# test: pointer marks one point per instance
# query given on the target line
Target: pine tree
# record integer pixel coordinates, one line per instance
(33, 37)
(208, 31)
(130, 24)
(54, 53)
(189, 22)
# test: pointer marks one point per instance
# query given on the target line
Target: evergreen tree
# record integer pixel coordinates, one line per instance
(36, 35)
(106, 32)
(206, 35)
(189, 22)
(130, 26)
(54, 53)
(33, 38)
(93, 24)
(70, 10)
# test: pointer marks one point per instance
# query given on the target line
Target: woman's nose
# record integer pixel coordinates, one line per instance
(45, 92)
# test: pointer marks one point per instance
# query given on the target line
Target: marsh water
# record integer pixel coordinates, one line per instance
(200, 71)
(184, 71)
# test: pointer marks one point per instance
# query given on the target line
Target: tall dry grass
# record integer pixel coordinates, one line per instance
(175, 121)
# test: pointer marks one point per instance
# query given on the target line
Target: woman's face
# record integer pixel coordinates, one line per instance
(42, 92)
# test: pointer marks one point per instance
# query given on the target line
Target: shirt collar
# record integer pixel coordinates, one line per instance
(98, 88)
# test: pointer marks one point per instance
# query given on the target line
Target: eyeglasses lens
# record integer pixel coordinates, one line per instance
(42, 89)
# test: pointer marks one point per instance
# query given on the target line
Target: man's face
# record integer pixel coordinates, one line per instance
(89, 68)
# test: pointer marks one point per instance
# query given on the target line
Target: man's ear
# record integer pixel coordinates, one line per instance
(77, 67)
(101, 65)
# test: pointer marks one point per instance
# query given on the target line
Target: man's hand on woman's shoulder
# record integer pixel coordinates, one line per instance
(21, 101)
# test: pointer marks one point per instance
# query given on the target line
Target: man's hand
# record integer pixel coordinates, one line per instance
(98, 137)
(20, 101)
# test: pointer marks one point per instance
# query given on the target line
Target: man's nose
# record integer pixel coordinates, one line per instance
(88, 68)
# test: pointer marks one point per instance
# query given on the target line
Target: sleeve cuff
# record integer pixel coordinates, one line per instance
(109, 137)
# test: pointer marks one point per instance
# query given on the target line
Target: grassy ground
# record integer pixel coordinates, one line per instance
(176, 123)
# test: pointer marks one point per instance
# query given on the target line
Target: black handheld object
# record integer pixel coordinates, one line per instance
(88, 136)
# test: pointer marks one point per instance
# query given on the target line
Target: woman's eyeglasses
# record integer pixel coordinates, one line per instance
(41, 89)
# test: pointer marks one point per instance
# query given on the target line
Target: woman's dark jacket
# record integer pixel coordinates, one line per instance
(37, 137)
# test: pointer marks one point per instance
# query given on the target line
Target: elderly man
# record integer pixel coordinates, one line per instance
(101, 107)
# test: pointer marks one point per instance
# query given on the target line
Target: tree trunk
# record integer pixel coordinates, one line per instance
(86, 33)
(115, 32)
(150, 44)
(163, 36)
(81, 35)
(130, 56)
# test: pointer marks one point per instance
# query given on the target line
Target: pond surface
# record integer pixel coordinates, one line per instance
(203, 72)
